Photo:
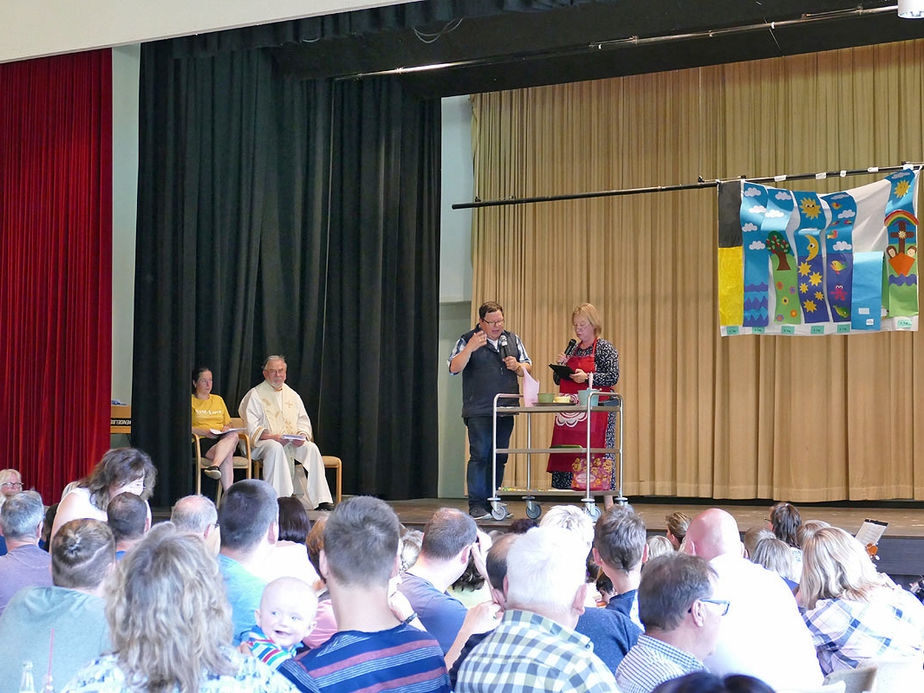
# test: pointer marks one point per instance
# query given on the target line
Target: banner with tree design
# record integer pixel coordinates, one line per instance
(801, 263)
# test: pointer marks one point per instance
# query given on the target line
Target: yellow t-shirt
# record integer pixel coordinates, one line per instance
(209, 413)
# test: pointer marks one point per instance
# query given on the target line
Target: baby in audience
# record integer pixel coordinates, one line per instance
(286, 615)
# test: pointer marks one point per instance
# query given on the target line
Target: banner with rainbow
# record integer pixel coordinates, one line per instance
(793, 262)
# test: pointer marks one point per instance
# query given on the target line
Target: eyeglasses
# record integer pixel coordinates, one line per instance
(724, 603)
(495, 323)
(12, 484)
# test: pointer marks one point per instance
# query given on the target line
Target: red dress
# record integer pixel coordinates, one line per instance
(571, 429)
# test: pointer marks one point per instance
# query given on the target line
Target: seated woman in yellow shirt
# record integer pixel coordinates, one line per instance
(208, 412)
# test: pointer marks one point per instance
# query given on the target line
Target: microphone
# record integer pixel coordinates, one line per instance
(502, 346)
(570, 348)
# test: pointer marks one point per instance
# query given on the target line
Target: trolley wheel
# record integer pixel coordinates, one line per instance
(592, 510)
(499, 511)
(533, 509)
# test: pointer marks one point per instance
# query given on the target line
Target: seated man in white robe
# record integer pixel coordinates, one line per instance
(280, 431)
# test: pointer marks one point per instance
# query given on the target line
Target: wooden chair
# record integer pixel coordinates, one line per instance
(331, 462)
(244, 461)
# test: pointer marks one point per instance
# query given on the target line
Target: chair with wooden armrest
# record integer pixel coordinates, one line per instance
(332, 462)
(244, 461)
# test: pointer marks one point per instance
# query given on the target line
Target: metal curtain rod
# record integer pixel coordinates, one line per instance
(478, 204)
(626, 41)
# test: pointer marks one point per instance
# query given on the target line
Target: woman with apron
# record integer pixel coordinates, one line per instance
(595, 361)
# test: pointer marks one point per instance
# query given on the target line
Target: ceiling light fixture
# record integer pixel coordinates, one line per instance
(911, 9)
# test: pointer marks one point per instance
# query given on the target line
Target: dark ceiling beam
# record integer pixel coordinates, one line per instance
(516, 49)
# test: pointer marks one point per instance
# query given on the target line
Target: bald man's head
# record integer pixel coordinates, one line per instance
(713, 533)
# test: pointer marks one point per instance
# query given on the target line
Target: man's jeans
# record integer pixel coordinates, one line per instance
(480, 446)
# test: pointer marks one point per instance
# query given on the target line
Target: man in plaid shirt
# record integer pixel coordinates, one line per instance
(535, 647)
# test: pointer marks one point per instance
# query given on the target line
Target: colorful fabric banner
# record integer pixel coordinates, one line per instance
(839, 263)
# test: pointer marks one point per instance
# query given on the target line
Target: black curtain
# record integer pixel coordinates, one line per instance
(278, 216)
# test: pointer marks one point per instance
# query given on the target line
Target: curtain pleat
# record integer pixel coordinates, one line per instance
(301, 218)
(56, 259)
(805, 419)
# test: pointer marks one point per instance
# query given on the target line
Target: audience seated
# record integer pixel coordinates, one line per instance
(677, 524)
(482, 619)
(325, 620)
(409, 550)
(573, 519)
(170, 626)
(128, 516)
(619, 549)
(807, 529)
(285, 617)
(471, 587)
(605, 589)
(658, 546)
(372, 650)
(522, 525)
(82, 555)
(703, 682)
(50, 513)
(753, 536)
(24, 564)
(535, 647)
(703, 609)
(197, 514)
(775, 556)
(448, 538)
(785, 521)
(578, 522)
(10, 485)
(763, 634)
(289, 555)
(248, 519)
(855, 614)
(119, 470)
(682, 620)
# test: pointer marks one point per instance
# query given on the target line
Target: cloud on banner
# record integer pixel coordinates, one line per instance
(803, 263)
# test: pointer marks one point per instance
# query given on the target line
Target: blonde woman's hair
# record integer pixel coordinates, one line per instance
(775, 555)
(10, 475)
(677, 523)
(588, 311)
(168, 617)
(808, 528)
(658, 546)
(836, 566)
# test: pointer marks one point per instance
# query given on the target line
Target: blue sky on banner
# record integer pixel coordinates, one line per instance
(800, 254)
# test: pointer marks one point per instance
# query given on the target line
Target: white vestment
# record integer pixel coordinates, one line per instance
(282, 412)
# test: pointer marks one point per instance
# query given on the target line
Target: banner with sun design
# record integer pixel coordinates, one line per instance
(794, 262)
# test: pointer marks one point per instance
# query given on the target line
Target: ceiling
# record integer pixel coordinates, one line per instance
(550, 45)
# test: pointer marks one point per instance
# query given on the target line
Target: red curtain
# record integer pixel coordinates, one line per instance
(55, 266)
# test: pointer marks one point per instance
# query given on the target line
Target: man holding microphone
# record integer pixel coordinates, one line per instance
(490, 360)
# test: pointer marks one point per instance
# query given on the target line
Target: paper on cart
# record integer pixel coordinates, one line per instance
(530, 389)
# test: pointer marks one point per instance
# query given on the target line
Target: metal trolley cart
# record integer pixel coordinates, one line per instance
(614, 403)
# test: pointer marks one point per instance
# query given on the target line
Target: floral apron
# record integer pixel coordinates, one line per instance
(571, 430)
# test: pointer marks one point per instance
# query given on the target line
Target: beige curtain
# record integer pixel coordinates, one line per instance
(796, 418)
